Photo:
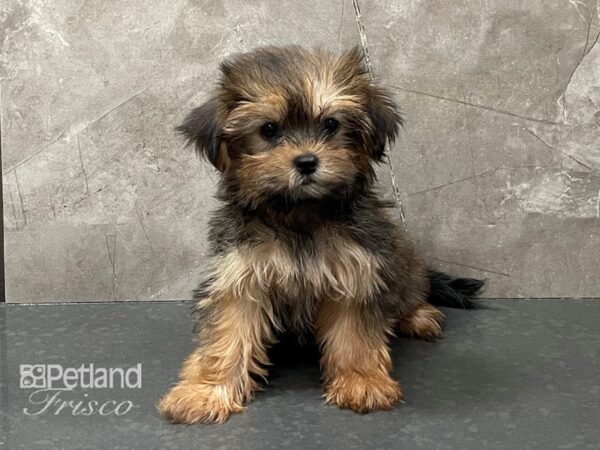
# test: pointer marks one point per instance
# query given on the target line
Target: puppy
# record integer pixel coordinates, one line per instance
(301, 240)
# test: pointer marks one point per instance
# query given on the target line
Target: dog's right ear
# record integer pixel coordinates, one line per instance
(201, 128)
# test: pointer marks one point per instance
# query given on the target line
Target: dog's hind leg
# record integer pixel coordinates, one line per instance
(425, 322)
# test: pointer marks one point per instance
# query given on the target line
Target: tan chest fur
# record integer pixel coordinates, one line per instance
(339, 269)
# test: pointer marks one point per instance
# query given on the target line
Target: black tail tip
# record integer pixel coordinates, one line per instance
(454, 292)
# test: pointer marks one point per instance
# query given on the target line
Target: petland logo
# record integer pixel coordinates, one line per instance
(53, 382)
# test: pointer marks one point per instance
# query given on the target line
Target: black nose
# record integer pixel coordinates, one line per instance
(306, 164)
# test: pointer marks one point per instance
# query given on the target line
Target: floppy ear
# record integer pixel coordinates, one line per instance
(385, 120)
(202, 129)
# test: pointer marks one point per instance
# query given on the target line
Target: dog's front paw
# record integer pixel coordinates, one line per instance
(198, 403)
(363, 393)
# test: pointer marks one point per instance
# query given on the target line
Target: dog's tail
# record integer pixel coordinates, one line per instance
(454, 292)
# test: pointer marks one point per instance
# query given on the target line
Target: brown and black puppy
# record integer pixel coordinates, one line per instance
(301, 241)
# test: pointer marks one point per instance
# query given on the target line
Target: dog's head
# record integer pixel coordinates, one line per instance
(293, 124)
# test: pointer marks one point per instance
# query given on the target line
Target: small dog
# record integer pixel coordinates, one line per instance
(301, 241)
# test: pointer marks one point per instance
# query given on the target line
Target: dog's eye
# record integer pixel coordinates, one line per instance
(269, 130)
(331, 125)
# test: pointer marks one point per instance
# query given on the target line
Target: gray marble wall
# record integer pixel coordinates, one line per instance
(498, 170)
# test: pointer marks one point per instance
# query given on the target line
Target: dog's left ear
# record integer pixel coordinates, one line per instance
(385, 120)
(201, 128)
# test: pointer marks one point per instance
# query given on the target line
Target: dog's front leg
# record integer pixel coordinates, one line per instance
(216, 380)
(356, 361)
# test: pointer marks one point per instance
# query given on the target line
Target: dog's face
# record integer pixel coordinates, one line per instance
(293, 124)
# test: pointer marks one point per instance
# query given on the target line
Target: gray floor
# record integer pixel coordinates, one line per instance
(517, 375)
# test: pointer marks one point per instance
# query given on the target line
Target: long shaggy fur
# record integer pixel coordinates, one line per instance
(303, 248)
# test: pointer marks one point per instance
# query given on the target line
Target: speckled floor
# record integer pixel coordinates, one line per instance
(520, 374)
